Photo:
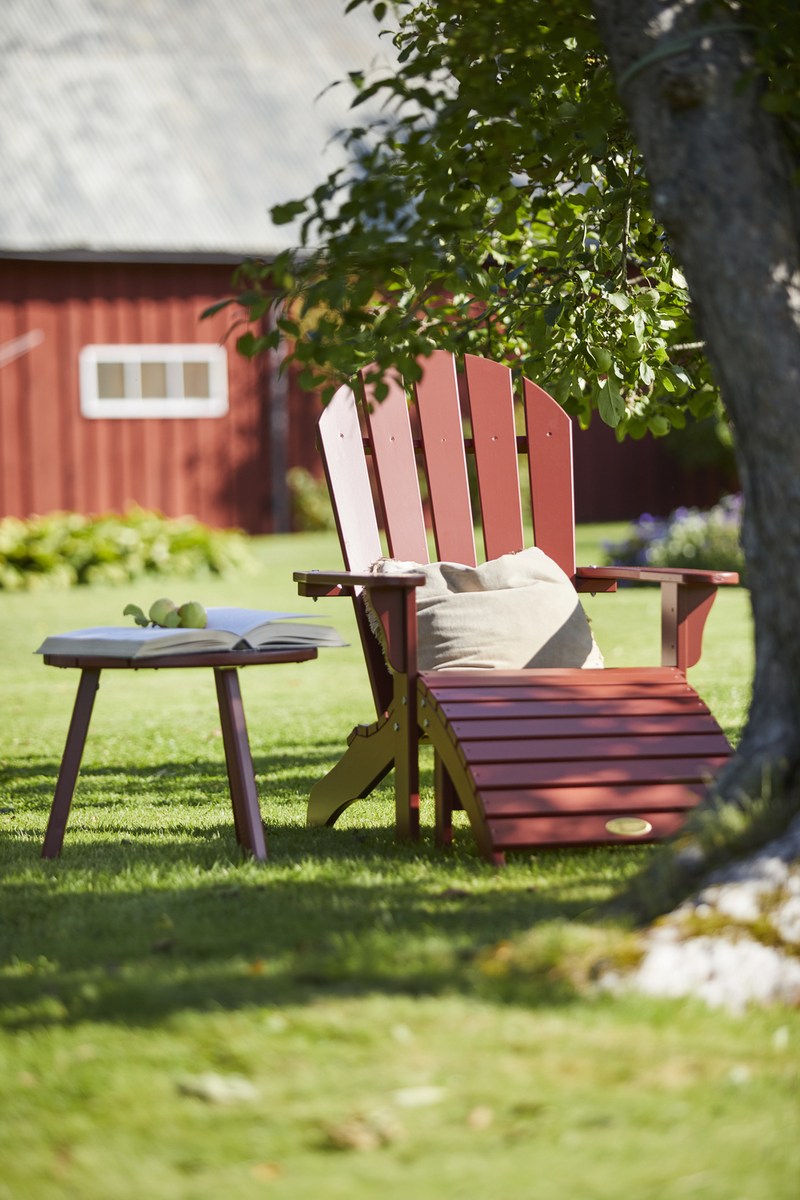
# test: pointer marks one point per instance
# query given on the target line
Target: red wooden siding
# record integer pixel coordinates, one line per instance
(218, 469)
(51, 457)
(619, 480)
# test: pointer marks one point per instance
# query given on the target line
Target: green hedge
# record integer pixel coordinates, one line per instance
(66, 549)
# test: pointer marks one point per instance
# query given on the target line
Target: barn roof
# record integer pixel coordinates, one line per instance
(168, 126)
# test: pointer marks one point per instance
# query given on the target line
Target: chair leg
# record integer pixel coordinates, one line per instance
(368, 759)
(406, 758)
(71, 762)
(446, 799)
(241, 776)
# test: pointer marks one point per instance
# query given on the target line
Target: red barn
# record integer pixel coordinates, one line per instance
(113, 391)
(142, 147)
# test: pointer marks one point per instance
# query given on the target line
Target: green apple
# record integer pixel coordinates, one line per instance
(602, 357)
(161, 613)
(192, 615)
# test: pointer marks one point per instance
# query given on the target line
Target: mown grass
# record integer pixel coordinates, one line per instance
(408, 1022)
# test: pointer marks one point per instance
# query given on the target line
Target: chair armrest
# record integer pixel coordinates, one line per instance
(687, 576)
(345, 583)
(686, 598)
(392, 599)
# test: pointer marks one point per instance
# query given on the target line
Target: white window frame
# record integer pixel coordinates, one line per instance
(175, 403)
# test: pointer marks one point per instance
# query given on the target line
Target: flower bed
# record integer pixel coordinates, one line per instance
(688, 537)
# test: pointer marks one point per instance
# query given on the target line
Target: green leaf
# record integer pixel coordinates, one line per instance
(610, 404)
(215, 308)
(133, 610)
(484, 209)
(561, 389)
(247, 344)
(284, 214)
(649, 298)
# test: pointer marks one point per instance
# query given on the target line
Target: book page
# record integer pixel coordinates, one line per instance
(244, 620)
(132, 641)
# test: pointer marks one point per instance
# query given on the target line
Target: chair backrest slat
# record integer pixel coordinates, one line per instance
(342, 449)
(549, 432)
(442, 432)
(491, 404)
(345, 464)
(394, 461)
(494, 442)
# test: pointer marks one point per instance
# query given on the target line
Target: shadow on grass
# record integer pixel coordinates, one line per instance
(151, 912)
(34, 782)
(229, 946)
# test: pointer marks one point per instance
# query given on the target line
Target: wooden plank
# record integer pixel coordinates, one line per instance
(41, 417)
(440, 422)
(185, 450)
(15, 452)
(556, 677)
(550, 470)
(601, 771)
(491, 405)
(211, 658)
(78, 447)
(153, 471)
(693, 576)
(588, 830)
(392, 446)
(520, 709)
(681, 745)
(570, 726)
(243, 457)
(597, 694)
(529, 802)
(345, 465)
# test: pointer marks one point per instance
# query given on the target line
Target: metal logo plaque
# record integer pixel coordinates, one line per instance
(629, 826)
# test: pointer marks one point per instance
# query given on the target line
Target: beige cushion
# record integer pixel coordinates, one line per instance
(520, 610)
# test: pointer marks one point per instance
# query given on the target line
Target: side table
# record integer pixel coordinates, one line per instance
(238, 760)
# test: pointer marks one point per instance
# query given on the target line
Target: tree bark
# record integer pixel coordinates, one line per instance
(721, 180)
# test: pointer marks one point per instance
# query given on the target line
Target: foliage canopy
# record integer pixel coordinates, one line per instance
(498, 205)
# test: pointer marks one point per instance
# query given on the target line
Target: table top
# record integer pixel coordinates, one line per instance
(216, 658)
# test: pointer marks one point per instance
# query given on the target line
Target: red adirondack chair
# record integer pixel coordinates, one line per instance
(535, 757)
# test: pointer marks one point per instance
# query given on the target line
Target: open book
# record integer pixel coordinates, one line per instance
(227, 629)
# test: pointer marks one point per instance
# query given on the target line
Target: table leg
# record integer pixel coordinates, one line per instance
(71, 761)
(241, 776)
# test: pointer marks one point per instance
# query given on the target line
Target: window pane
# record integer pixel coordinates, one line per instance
(154, 380)
(195, 380)
(110, 381)
(172, 381)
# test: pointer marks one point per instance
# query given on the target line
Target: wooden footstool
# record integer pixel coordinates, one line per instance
(241, 776)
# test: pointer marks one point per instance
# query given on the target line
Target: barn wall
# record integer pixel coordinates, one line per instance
(218, 469)
(51, 457)
(618, 481)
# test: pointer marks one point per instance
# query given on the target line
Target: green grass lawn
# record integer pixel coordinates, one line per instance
(357, 1017)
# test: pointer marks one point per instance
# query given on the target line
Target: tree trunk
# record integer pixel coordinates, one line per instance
(721, 180)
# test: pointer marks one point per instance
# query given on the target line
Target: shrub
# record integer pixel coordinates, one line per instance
(689, 537)
(66, 549)
(311, 506)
